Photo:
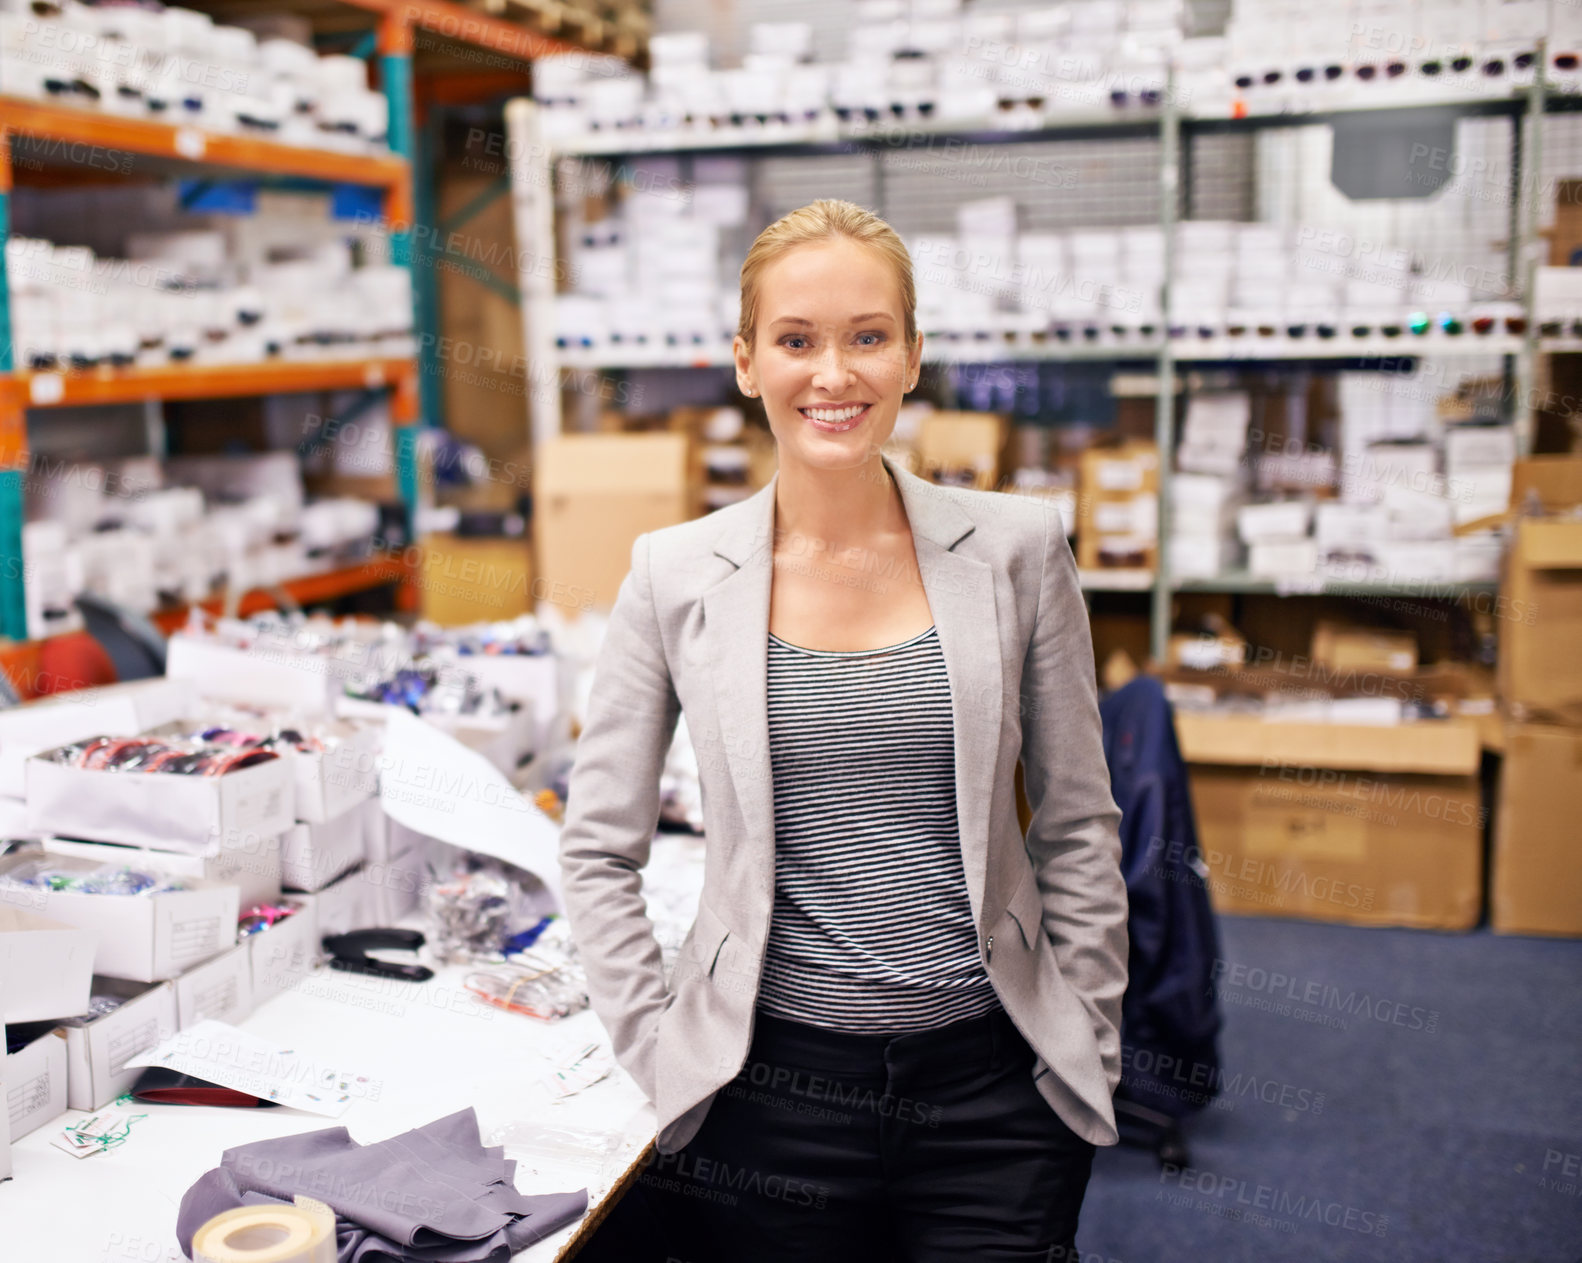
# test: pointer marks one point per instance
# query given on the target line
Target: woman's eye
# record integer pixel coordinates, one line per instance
(877, 338)
(795, 337)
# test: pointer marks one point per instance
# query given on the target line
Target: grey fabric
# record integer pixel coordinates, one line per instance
(432, 1194)
(690, 633)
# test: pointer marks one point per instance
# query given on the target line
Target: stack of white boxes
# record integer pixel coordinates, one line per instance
(177, 65)
(1478, 464)
(652, 278)
(1209, 485)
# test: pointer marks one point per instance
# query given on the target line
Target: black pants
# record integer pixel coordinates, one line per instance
(874, 1149)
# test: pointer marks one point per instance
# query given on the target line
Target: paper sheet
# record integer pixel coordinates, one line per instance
(433, 784)
(222, 1054)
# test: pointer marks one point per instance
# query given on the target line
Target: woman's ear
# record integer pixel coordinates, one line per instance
(744, 366)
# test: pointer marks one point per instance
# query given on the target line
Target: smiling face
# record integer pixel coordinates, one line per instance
(830, 357)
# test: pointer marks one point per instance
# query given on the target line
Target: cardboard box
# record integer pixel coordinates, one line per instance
(594, 495)
(463, 580)
(1555, 480)
(1537, 863)
(251, 864)
(1339, 822)
(314, 855)
(962, 446)
(286, 952)
(221, 988)
(34, 1080)
(1117, 506)
(142, 938)
(1565, 238)
(1539, 667)
(168, 813)
(97, 1050)
(46, 966)
(1363, 648)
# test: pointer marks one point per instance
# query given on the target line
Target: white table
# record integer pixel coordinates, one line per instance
(427, 1052)
(427, 1048)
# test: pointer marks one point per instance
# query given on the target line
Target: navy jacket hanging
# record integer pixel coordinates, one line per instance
(1170, 1018)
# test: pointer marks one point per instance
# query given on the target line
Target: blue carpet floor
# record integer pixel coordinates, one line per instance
(1392, 1095)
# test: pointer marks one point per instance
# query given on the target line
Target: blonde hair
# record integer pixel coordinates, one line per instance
(825, 220)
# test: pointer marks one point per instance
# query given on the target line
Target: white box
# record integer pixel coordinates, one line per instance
(221, 988)
(1364, 479)
(269, 675)
(533, 678)
(46, 966)
(1201, 491)
(314, 855)
(331, 783)
(1478, 446)
(170, 813)
(1430, 560)
(1200, 557)
(1281, 558)
(5, 1129)
(1477, 493)
(116, 710)
(34, 1080)
(286, 952)
(97, 1051)
(1417, 514)
(143, 938)
(251, 864)
(352, 903)
(1339, 526)
(1478, 557)
(1281, 520)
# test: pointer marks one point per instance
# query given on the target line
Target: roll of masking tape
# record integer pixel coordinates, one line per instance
(303, 1233)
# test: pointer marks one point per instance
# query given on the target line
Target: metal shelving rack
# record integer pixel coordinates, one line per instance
(533, 179)
(186, 150)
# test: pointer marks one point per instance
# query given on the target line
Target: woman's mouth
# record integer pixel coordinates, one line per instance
(834, 420)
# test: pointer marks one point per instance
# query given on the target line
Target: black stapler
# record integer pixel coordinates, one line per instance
(350, 953)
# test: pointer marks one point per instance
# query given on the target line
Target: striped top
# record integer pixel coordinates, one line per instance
(872, 930)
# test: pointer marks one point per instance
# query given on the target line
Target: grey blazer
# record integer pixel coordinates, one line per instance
(689, 632)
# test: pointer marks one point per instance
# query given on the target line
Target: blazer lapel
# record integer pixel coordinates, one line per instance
(961, 595)
(960, 592)
(736, 637)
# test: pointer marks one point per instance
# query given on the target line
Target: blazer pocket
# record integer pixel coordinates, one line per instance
(1026, 907)
(700, 953)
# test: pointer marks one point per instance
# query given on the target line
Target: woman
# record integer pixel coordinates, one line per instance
(892, 1032)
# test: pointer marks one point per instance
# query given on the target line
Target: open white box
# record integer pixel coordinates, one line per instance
(46, 966)
(508, 740)
(35, 1082)
(314, 855)
(115, 710)
(142, 938)
(97, 1051)
(532, 678)
(262, 675)
(331, 783)
(251, 863)
(286, 952)
(221, 988)
(167, 812)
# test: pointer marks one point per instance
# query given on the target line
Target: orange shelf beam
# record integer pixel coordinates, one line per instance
(206, 381)
(192, 144)
(37, 668)
(312, 589)
(469, 26)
